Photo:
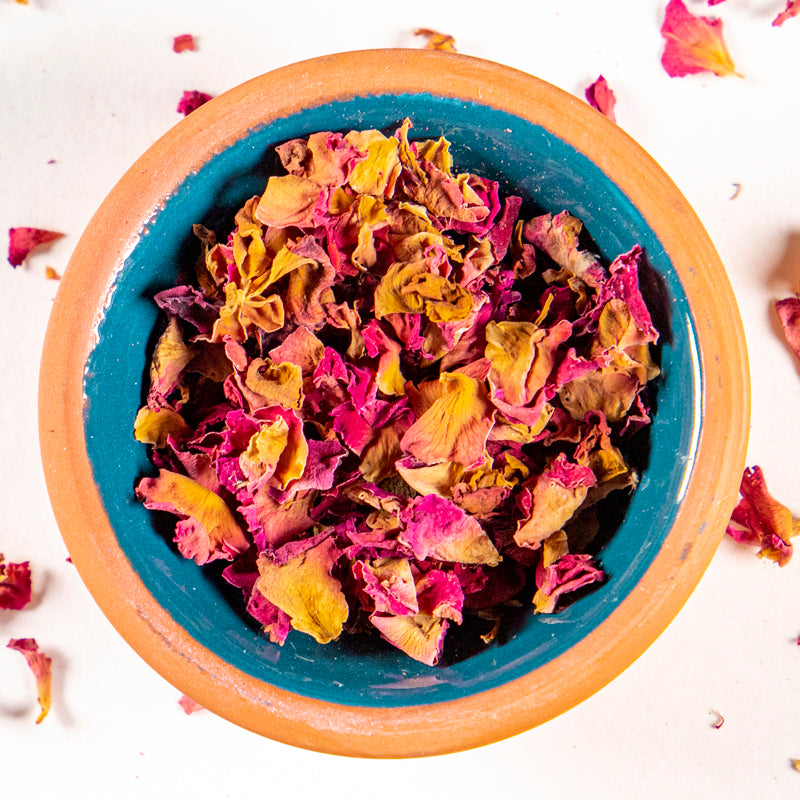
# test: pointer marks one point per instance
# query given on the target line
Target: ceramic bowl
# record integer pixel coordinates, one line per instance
(538, 141)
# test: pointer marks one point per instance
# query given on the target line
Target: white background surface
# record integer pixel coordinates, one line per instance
(92, 84)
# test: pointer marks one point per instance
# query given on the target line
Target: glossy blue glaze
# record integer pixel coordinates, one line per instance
(551, 176)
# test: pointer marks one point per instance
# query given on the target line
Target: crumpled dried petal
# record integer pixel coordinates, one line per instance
(208, 529)
(789, 315)
(15, 584)
(41, 666)
(693, 44)
(600, 96)
(437, 528)
(436, 40)
(792, 10)
(551, 499)
(759, 519)
(191, 100)
(565, 574)
(390, 583)
(559, 237)
(22, 240)
(304, 588)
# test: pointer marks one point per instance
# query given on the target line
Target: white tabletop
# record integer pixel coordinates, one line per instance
(86, 86)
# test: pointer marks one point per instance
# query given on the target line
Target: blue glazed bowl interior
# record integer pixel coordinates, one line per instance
(551, 176)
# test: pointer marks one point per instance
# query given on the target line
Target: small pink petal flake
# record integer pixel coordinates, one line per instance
(600, 96)
(191, 100)
(183, 42)
(789, 314)
(719, 721)
(15, 585)
(41, 666)
(436, 40)
(188, 705)
(693, 44)
(22, 240)
(792, 10)
(715, 2)
(759, 519)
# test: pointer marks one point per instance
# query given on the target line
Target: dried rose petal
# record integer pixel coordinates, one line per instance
(759, 519)
(207, 530)
(191, 100)
(419, 636)
(789, 315)
(566, 574)
(693, 44)
(437, 528)
(436, 40)
(183, 42)
(792, 10)
(188, 705)
(599, 95)
(15, 585)
(304, 589)
(41, 666)
(22, 240)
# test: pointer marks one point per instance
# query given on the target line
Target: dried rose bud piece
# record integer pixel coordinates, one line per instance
(22, 240)
(600, 96)
(41, 666)
(15, 585)
(183, 42)
(693, 44)
(191, 100)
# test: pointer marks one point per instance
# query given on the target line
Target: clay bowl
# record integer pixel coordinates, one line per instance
(354, 699)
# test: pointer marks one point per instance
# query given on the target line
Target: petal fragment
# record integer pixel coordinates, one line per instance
(22, 240)
(693, 44)
(600, 96)
(15, 584)
(759, 519)
(304, 588)
(41, 666)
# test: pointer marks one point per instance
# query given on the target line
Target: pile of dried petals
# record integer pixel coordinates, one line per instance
(388, 401)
